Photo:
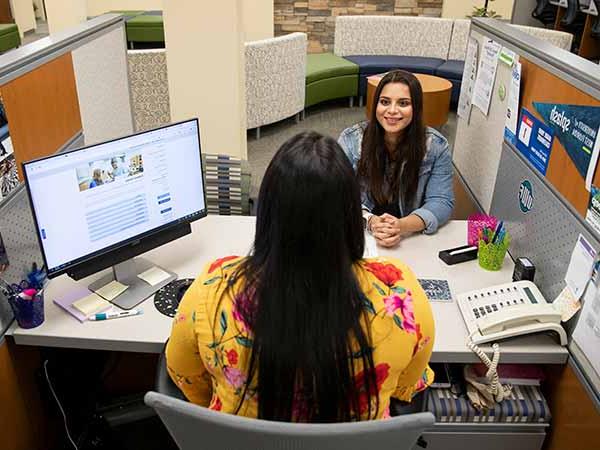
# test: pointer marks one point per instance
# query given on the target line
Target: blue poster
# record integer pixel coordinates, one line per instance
(576, 127)
(534, 141)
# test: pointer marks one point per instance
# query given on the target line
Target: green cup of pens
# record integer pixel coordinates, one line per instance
(493, 245)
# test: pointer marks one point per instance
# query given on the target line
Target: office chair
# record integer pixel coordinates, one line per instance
(595, 31)
(196, 428)
(545, 12)
(571, 13)
(163, 383)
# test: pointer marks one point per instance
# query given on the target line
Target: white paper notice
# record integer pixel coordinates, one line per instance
(468, 80)
(512, 110)
(580, 266)
(486, 75)
(587, 331)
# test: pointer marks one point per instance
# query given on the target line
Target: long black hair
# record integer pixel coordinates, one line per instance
(410, 150)
(307, 309)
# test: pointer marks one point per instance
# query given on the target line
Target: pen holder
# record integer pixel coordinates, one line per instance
(476, 223)
(29, 313)
(491, 256)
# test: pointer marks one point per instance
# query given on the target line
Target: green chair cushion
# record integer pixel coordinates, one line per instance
(145, 21)
(7, 28)
(320, 66)
(145, 28)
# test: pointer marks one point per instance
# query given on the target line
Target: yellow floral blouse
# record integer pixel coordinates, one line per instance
(208, 349)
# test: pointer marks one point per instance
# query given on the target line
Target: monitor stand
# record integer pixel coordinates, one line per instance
(127, 273)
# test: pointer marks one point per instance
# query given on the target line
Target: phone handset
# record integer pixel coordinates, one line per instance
(518, 315)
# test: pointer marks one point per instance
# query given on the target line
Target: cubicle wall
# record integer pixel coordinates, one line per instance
(61, 92)
(541, 192)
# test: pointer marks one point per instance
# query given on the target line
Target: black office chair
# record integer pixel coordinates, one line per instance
(571, 14)
(164, 384)
(545, 12)
(595, 31)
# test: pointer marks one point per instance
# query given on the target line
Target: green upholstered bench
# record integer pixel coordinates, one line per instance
(329, 77)
(9, 36)
(146, 27)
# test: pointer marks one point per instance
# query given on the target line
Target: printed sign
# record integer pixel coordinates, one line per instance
(593, 213)
(576, 127)
(525, 196)
(534, 141)
(512, 109)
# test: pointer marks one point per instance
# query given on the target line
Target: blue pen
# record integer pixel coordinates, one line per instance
(498, 229)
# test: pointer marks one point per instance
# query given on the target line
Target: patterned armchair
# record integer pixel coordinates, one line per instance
(275, 79)
(392, 35)
(559, 39)
(149, 88)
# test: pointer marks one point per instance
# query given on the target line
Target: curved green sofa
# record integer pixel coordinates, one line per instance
(9, 36)
(329, 77)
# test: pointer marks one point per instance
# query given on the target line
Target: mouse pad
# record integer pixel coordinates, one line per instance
(167, 299)
(436, 290)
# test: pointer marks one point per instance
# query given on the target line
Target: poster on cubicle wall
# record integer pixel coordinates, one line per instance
(556, 112)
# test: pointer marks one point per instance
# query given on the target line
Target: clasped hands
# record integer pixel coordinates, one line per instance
(386, 229)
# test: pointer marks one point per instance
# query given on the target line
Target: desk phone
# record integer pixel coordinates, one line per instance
(508, 310)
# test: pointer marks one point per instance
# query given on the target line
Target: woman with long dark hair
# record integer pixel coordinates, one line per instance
(404, 168)
(304, 329)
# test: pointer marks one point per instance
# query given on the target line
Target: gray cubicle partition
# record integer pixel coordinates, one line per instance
(99, 52)
(548, 231)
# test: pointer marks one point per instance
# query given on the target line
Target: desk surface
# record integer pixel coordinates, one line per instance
(216, 236)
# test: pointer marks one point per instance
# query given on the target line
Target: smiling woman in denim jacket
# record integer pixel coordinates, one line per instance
(404, 168)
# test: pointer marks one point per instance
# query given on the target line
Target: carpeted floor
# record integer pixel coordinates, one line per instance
(327, 118)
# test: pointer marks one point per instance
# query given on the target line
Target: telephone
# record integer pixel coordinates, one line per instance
(508, 310)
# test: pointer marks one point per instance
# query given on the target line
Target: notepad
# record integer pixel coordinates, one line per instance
(154, 275)
(111, 290)
(91, 304)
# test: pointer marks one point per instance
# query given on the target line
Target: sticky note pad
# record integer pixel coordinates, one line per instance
(154, 275)
(91, 304)
(111, 290)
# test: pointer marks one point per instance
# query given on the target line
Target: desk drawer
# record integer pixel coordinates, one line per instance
(457, 440)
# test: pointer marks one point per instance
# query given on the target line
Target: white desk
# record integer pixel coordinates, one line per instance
(216, 236)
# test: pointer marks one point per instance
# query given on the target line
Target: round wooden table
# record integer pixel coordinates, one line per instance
(436, 97)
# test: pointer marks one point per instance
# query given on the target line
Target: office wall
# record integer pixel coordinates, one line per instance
(22, 11)
(97, 7)
(103, 87)
(316, 18)
(49, 117)
(205, 64)
(459, 9)
(63, 14)
(257, 19)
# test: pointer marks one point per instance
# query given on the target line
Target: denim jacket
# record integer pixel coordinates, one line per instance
(434, 199)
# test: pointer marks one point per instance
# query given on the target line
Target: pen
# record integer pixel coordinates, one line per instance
(498, 228)
(115, 314)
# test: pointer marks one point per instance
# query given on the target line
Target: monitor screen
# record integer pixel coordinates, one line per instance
(92, 200)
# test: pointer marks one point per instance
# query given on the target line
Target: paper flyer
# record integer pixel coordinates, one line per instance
(486, 75)
(587, 332)
(592, 215)
(512, 109)
(468, 80)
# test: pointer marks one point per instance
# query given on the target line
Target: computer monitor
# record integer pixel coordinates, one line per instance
(101, 205)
